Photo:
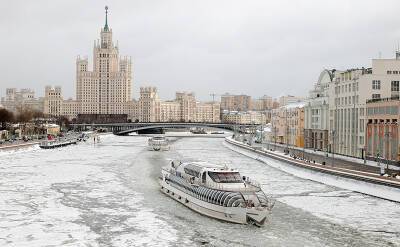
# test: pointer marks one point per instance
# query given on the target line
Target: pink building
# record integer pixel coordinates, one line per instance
(382, 135)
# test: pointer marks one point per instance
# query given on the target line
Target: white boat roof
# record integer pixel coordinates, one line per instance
(204, 164)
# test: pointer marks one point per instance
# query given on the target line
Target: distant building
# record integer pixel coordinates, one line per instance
(235, 102)
(249, 117)
(208, 112)
(148, 105)
(187, 103)
(287, 124)
(289, 99)
(16, 100)
(263, 103)
(53, 101)
(184, 108)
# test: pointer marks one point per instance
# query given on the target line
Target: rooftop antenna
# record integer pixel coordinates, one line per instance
(397, 51)
(106, 25)
(213, 96)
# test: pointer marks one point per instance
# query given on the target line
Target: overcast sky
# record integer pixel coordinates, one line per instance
(251, 47)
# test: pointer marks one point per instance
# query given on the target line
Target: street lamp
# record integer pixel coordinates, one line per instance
(387, 136)
(333, 148)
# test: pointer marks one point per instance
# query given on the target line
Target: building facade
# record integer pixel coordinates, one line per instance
(53, 101)
(17, 100)
(316, 113)
(248, 117)
(264, 103)
(348, 95)
(208, 112)
(287, 124)
(108, 86)
(289, 99)
(382, 134)
(235, 102)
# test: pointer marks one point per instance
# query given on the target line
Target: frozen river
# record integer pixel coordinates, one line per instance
(107, 195)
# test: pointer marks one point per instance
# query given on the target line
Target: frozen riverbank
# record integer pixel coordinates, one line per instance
(323, 175)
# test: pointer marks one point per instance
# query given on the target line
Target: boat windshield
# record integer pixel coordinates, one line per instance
(225, 177)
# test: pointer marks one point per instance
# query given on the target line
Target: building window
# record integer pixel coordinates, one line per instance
(376, 96)
(376, 84)
(395, 86)
(389, 72)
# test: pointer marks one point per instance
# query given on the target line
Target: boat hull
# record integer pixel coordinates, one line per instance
(57, 145)
(237, 215)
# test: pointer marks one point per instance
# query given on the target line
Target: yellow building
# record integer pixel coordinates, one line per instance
(288, 124)
(52, 129)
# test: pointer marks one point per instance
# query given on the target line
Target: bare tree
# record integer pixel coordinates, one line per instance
(5, 117)
(24, 114)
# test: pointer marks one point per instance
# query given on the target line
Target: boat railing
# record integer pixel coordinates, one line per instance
(252, 182)
(47, 142)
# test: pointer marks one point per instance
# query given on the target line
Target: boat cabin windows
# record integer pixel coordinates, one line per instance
(204, 177)
(192, 170)
(225, 177)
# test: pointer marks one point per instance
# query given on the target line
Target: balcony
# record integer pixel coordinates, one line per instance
(383, 99)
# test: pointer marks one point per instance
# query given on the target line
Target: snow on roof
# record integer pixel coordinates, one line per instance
(51, 125)
(300, 104)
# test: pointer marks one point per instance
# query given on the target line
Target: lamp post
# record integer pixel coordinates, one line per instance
(304, 146)
(387, 136)
(333, 148)
(287, 131)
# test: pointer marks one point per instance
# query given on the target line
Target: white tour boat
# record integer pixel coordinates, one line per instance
(158, 143)
(216, 191)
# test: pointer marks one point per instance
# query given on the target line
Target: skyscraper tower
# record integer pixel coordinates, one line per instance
(106, 88)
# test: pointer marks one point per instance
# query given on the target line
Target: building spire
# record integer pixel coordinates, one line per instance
(106, 25)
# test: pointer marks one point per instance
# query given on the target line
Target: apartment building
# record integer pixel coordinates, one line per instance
(287, 124)
(235, 102)
(348, 95)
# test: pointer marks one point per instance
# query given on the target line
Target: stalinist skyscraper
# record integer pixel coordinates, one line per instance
(106, 88)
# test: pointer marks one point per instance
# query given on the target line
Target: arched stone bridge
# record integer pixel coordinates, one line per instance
(127, 128)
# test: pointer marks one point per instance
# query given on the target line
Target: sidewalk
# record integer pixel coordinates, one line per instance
(340, 166)
(350, 179)
(17, 145)
(350, 162)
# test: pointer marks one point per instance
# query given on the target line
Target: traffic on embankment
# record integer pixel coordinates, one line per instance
(351, 179)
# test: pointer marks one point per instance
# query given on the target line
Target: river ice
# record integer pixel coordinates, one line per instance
(107, 195)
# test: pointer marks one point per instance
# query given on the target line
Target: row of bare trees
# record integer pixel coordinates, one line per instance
(25, 115)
